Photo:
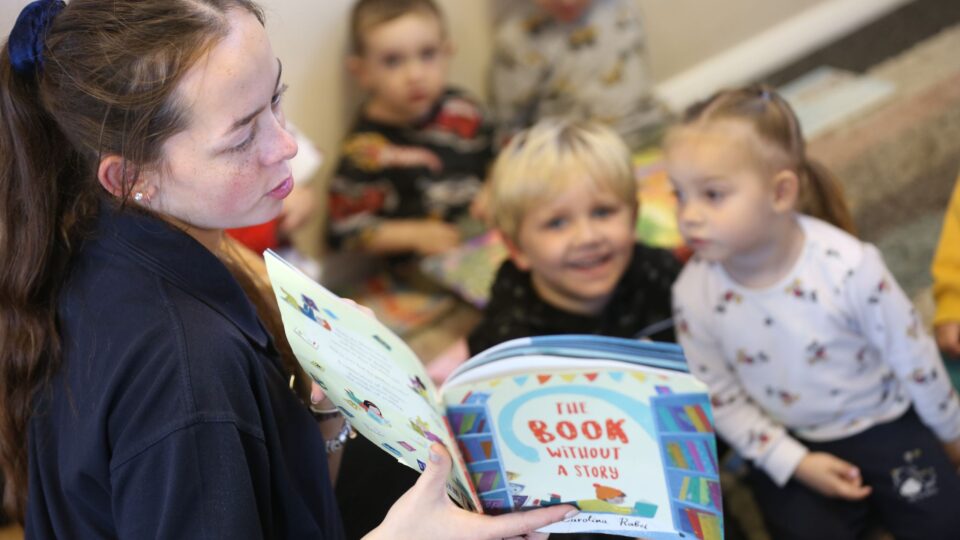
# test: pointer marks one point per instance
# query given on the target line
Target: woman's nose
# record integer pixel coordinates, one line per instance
(284, 144)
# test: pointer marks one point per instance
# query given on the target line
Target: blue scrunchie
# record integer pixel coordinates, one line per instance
(26, 39)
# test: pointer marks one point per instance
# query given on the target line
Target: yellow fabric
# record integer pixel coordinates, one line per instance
(946, 264)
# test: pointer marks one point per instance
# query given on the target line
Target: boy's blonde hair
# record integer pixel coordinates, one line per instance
(367, 14)
(542, 161)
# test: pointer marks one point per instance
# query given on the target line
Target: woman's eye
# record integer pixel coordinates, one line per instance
(246, 142)
(278, 97)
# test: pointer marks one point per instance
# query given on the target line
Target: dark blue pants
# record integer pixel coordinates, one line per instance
(916, 491)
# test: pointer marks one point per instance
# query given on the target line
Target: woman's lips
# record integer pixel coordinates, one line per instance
(284, 189)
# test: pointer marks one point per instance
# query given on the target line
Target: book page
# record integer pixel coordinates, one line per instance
(372, 376)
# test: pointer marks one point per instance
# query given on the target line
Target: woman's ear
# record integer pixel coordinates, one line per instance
(115, 175)
(786, 190)
(516, 254)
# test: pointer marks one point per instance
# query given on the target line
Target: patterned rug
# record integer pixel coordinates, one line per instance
(898, 162)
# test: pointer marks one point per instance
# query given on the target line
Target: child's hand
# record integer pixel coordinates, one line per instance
(831, 476)
(430, 237)
(425, 511)
(948, 338)
(952, 449)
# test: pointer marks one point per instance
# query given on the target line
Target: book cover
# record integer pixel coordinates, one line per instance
(616, 427)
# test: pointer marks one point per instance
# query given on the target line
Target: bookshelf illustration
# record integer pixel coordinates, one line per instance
(478, 446)
(689, 449)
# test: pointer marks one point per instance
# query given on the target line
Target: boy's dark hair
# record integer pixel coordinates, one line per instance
(367, 14)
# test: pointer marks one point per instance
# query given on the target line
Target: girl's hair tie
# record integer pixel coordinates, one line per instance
(25, 45)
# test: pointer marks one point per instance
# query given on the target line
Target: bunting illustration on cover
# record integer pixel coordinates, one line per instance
(616, 427)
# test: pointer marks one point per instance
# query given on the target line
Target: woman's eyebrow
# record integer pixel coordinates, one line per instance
(249, 118)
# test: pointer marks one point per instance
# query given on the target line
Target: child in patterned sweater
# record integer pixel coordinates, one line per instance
(419, 150)
(819, 370)
(578, 59)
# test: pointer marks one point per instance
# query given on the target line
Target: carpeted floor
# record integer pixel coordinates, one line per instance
(898, 163)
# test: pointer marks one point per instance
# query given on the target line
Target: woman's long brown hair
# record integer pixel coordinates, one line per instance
(107, 86)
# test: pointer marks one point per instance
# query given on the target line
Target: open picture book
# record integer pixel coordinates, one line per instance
(616, 427)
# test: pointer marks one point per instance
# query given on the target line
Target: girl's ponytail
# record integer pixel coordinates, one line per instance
(821, 196)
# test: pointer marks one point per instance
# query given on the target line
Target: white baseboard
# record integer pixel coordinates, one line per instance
(772, 49)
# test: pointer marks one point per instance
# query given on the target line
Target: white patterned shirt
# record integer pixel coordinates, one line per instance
(832, 349)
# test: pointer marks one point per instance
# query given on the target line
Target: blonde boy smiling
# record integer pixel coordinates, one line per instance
(564, 198)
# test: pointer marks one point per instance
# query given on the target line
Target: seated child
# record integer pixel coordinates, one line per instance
(580, 59)
(946, 280)
(564, 198)
(819, 370)
(419, 150)
(408, 172)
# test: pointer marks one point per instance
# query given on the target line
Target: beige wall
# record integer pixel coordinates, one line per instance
(683, 33)
(310, 37)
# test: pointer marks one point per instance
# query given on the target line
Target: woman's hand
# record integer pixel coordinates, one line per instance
(425, 511)
(831, 476)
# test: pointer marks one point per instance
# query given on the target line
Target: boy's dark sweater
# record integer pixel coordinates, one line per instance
(640, 299)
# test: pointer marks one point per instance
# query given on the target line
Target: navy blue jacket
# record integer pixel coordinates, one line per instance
(170, 416)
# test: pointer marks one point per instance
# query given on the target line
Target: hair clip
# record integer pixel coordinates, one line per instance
(25, 44)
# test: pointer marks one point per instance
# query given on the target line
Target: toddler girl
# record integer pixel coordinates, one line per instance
(819, 370)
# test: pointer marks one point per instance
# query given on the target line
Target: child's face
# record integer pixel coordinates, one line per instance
(576, 247)
(725, 203)
(565, 10)
(404, 66)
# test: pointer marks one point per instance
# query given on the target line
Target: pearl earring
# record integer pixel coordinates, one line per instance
(138, 196)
